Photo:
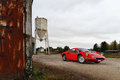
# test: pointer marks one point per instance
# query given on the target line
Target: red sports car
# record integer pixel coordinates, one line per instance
(82, 55)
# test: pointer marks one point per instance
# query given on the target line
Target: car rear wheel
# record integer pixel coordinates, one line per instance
(64, 58)
(81, 59)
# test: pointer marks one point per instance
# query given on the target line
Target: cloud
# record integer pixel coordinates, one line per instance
(79, 22)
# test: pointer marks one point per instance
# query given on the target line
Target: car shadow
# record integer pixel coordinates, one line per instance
(88, 62)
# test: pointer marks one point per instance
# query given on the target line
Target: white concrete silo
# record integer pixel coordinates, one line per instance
(41, 31)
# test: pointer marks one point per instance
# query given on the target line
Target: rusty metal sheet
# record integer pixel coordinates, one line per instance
(12, 55)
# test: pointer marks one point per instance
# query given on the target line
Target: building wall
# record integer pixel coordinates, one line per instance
(15, 38)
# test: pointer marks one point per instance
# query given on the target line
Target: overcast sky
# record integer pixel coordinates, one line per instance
(79, 23)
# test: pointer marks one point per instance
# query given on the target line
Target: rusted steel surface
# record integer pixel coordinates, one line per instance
(12, 55)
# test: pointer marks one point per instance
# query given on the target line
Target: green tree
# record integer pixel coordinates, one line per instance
(119, 46)
(41, 47)
(95, 47)
(60, 49)
(115, 45)
(66, 48)
(104, 46)
(111, 46)
(50, 48)
(99, 49)
(37, 49)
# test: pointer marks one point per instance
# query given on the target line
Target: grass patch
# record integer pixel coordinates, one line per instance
(112, 56)
(45, 72)
(37, 73)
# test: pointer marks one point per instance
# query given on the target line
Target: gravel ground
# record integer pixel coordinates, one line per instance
(108, 69)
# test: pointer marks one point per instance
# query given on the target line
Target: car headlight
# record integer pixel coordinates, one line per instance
(86, 54)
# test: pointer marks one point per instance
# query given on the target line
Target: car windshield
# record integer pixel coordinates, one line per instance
(83, 50)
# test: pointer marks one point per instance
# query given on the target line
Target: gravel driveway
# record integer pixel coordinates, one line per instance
(106, 70)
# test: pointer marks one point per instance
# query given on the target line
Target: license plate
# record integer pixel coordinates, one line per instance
(99, 60)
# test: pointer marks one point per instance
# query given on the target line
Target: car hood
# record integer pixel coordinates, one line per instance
(96, 55)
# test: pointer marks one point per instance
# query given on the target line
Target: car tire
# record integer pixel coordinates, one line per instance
(81, 59)
(96, 62)
(64, 58)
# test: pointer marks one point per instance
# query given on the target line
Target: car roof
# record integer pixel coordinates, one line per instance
(78, 48)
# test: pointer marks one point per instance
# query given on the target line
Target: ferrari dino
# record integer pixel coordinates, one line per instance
(82, 55)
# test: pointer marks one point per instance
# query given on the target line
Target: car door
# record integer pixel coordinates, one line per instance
(68, 55)
(72, 54)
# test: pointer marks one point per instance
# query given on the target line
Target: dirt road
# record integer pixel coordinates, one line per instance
(106, 70)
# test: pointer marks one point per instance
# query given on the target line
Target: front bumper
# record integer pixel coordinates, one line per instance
(94, 59)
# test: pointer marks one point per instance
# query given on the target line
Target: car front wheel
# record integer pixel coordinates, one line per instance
(81, 59)
(64, 58)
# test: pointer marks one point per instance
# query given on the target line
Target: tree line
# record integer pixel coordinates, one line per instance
(105, 46)
(58, 49)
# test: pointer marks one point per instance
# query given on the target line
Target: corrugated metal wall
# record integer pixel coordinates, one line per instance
(15, 38)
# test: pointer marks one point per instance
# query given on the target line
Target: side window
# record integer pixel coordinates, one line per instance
(73, 51)
(79, 50)
(70, 50)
